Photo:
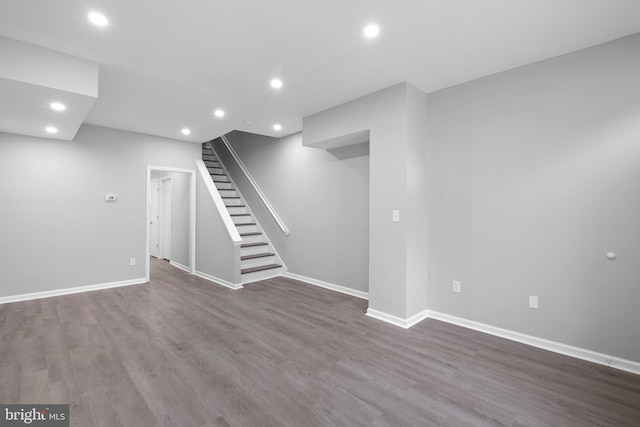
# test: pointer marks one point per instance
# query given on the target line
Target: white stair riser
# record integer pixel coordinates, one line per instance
(261, 275)
(215, 170)
(237, 219)
(237, 210)
(255, 262)
(219, 179)
(254, 250)
(252, 239)
(246, 228)
(233, 202)
(227, 192)
(223, 185)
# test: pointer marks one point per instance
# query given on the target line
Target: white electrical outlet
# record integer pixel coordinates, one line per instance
(132, 261)
(456, 287)
(533, 302)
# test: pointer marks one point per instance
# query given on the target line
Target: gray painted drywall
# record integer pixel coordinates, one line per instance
(56, 229)
(179, 214)
(416, 214)
(397, 279)
(215, 253)
(322, 197)
(534, 176)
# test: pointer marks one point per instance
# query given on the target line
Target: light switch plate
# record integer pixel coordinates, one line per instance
(395, 215)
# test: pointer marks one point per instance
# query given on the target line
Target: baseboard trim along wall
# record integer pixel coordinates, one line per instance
(326, 285)
(67, 291)
(398, 321)
(180, 266)
(556, 347)
(218, 281)
(260, 279)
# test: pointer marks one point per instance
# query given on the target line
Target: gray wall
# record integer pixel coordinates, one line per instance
(417, 212)
(179, 214)
(56, 229)
(535, 175)
(322, 196)
(396, 118)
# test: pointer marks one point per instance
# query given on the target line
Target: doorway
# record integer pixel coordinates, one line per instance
(171, 217)
(160, 222)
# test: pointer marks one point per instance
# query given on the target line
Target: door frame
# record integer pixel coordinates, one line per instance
(192, 215)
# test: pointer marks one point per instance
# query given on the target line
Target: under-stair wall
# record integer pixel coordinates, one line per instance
(217, 252)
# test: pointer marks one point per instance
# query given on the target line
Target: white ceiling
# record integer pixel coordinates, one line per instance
(165, 65)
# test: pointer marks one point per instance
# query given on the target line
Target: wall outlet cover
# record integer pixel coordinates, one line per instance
(456, 287)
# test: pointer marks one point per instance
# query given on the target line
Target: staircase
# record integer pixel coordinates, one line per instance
(258, 260)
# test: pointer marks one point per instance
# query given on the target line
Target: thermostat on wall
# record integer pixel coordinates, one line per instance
(110, 198)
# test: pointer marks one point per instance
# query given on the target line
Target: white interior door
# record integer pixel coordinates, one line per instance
(154, 219)
(166, 219)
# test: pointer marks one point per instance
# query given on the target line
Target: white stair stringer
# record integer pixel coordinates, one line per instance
(256, 251)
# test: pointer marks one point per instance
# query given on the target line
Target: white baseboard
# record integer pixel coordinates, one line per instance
(259, 279)
(398, 321)
(218, 281)
(180, 266)
(417, 318)
(556, 347)
(326, 285)
(67, 291)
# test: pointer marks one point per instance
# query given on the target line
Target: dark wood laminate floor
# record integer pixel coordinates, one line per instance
(181, 351)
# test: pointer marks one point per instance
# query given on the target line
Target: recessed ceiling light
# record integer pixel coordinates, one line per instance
(51, 129)
(277, 126)
(98, 19)
(248, 123)
(371, 31)
(186, 131)
(276, 83)
(219, 113)
(57, 106)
